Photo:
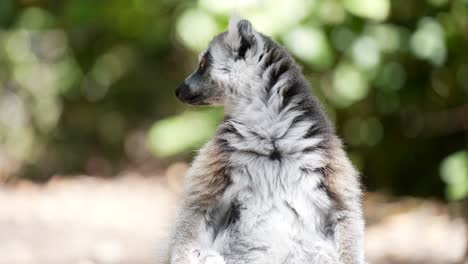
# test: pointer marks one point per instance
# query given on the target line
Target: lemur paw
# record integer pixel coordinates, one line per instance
(206, 257)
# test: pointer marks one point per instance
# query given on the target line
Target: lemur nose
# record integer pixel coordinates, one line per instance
(179, 90)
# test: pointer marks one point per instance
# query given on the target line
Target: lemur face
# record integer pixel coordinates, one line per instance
(224, 67)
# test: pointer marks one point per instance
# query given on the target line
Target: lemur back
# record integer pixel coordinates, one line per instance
(274, 184)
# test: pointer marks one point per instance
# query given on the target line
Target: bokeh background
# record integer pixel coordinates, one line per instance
(93, 144)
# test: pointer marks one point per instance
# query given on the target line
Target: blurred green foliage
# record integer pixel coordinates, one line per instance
(87, 84)
(454, 172)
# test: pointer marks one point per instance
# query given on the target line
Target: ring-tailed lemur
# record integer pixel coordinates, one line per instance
(274, 184)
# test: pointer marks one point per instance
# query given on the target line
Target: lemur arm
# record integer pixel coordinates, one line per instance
(349, 236)
(205, 182)
(343, 183)
(187, 233)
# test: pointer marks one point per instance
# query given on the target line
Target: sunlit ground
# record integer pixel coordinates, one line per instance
(88, 220)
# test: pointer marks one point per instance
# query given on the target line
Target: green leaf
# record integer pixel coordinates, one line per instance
(454, 171)
(184, 132)
(371, 9)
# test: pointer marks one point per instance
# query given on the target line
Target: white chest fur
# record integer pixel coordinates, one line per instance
(281, 209)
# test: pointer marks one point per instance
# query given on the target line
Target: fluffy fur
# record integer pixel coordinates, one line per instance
(274, 185)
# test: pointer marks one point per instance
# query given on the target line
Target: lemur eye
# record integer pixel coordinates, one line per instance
(202, 62)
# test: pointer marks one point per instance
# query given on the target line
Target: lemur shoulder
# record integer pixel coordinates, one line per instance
(274, 185)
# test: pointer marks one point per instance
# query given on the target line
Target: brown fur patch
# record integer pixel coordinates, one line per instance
(340, 177)
(209, 177)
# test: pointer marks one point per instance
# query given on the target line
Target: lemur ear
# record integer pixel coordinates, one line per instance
(245, 30)
(241, 35)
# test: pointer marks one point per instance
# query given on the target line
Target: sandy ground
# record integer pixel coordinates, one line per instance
(88, 220)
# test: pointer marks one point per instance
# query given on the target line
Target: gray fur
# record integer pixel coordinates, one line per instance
(274, 185)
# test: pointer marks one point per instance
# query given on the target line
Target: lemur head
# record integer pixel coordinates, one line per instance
(225, 67)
